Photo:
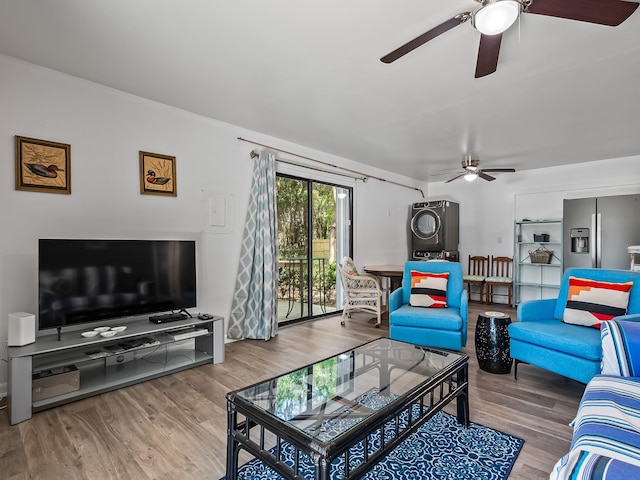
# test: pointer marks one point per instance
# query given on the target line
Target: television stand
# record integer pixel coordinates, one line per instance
(96, 365)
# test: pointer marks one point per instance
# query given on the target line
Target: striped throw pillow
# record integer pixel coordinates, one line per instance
(608, 418)
(428, 289)
(620, 348)
(590, 302)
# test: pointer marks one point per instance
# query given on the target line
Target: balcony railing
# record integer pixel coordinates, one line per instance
(293, 290)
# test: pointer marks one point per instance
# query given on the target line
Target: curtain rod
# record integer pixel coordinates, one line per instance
(363, 178)
(254, 154)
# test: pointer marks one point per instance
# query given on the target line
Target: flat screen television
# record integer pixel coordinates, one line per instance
(83, 281)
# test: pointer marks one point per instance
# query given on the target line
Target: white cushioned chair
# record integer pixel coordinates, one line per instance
(363, 292)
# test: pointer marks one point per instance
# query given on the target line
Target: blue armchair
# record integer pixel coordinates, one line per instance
(541, 338)
(431, 327)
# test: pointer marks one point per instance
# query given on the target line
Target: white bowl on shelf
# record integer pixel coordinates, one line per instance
(102, 329)
(118, 329)
(89, 334)
(108, 333)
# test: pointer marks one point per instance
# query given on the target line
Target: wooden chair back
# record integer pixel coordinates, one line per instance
(478, 265)
(500, 277)
(501, 266)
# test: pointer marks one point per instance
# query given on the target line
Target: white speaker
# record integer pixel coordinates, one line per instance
(22, 329)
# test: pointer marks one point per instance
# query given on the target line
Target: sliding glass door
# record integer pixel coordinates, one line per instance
(314, 233)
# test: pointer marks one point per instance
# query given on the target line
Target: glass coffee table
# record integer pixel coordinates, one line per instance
(346, 412)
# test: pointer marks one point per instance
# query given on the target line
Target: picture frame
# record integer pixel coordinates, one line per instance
(43, 165)
(157, 174)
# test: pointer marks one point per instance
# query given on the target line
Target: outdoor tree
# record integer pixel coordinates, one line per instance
(292, 201)
(293, 214)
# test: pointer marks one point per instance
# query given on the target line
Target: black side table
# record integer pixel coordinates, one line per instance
(492, 342)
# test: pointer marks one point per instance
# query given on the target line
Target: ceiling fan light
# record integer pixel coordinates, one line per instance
(470, 176)
(496, 16)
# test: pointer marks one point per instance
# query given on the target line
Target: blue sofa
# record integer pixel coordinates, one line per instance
(430, 327)
(540, 338)
(606, 430)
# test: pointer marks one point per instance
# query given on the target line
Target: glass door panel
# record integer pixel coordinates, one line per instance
(323, 265)
(293, 247)
(314, 232)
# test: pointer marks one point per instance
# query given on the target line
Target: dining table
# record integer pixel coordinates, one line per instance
(390, 275)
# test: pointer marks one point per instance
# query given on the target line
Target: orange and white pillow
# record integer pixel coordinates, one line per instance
(590, 302)
(428, 289)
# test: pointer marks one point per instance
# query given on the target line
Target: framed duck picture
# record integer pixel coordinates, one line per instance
(157, 174)
(43, 166)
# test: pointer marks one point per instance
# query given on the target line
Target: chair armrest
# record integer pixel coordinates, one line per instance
(370, 276)
(369, 281)
(362, 281)
(464, 313)
(395, 299)
(536, 310)
(464, 304)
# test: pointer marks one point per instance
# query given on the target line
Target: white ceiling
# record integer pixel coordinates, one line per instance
(308, 72)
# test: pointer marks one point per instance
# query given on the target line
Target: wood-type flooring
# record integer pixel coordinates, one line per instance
(174, 427)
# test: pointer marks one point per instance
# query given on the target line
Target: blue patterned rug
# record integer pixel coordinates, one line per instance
(439, 449)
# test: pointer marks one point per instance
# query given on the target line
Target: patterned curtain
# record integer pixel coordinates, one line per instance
(254, 310)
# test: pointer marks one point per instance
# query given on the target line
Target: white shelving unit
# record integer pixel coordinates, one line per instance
(536, 280)
(146, 350)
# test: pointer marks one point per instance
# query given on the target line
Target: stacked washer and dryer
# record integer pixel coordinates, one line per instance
(434, 231)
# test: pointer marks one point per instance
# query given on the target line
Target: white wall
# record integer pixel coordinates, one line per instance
(488, 209)
(106, 129)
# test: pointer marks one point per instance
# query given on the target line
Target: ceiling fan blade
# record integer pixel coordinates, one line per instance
(425, 37)
(456, 177)
(488, 53)
(486, 177)
(602, 12)
(512, 170)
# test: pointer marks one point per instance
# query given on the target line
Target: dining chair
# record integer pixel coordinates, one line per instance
(500, 276)
(476, 274)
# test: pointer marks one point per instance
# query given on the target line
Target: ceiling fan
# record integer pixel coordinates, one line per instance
(496, 16)
(472, 171)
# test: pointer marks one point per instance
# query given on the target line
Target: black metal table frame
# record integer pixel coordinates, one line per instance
(431, 396)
